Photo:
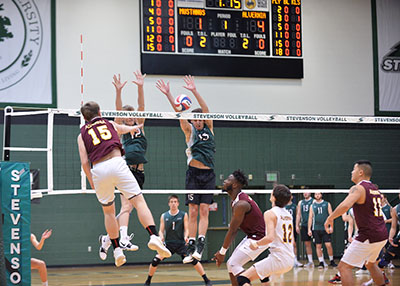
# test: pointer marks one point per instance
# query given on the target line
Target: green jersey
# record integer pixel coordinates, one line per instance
(292, 210)
(174, 227)
(135, 147)
(201, 146)
(305, 206)
(320, 214)
(386, 211)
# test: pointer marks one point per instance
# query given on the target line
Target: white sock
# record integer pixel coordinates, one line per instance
(330, 258)
(321, 259)
(123, 230)
(45, 283)
(309, 257)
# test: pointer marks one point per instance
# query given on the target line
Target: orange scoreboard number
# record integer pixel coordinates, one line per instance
(158, 25)
(286, 28)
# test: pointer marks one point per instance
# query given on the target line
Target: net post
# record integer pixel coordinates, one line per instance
(83, 175)
(7, 132)
(50, 121)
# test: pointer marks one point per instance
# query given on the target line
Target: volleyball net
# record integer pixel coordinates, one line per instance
(305, 152)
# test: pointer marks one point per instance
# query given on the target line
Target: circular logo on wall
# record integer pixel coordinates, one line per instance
(250, 4)
(21, 37)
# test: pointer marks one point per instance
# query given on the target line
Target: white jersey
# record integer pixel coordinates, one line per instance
(283, 242)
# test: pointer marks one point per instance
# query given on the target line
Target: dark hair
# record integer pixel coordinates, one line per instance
(240, 177)
(197, 110)
(366, 166)
(282, 195)
(128, 107)
(90, 110)
(173, 197)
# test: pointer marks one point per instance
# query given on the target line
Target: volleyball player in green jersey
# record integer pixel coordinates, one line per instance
(199, 136)
(386, 209)
(135, 146)
(320, 210)
(174, 232)
(302, 225)
(292, 208)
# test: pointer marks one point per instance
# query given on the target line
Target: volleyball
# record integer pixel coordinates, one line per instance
(182, 102)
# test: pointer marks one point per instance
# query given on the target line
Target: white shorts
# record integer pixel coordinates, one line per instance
(241, 255)
(111, 174)
(274, 264)
(360, 252)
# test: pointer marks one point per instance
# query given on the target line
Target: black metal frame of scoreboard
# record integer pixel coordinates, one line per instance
(240, 38)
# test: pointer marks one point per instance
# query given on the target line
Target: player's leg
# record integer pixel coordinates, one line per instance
(193, 200)
(376, 273)
(40, 265)
(199, 268)
(329, 249)
(152, 268)
(123, 220)
(203, 225)
(307, 242)
(346, 273)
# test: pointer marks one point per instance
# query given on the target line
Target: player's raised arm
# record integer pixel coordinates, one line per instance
(140, 83)
(164, 88)
(123, 129)
(118, 91)
(190, 85)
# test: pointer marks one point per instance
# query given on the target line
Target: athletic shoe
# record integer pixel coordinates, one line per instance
(189, 252)
(105, 244)
(336, 280)
(297, 264)
(309, 264)
(199, 250)
(126, 244)
(333, 264)
(208, 283)
(368, 283)
(391, 266)
(362, 272)
(321, 265)
(325, 265)
(156, 244)
(119, 257)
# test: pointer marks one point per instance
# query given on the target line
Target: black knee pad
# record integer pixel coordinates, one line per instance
(242, 280)
(194, 261)
(265, 280)
(155, 261)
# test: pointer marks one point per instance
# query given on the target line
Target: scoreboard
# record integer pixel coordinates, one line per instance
(244, 38)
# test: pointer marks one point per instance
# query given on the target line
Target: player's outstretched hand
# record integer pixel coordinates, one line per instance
(392, 242)
(139, 78)
(46, 234)
(117, 82)
(189, 80)
(218, 258)
(163, 87)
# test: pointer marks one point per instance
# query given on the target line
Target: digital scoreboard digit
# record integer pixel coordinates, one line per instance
(247, 38)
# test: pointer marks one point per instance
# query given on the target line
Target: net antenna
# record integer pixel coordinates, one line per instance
(83, 176)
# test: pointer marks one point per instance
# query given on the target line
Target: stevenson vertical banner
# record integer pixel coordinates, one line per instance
(16, 211)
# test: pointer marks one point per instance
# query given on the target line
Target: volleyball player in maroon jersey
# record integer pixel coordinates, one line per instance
(100, 146)
(366, 201)
(247, 216)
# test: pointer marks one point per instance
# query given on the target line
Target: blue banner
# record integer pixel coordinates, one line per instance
(16, 211)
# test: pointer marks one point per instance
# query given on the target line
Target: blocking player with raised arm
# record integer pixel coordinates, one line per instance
(174, 230)
(303, 211)
(292, 209)
(199, 137)
(38, 264)
(247, 216)
(135, 147)
(100, 146)
(319, 211)
(279, 239)
(366, 201)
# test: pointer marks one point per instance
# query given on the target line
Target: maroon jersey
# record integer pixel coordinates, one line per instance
(253, 223)
(100, 138)
(369, 216)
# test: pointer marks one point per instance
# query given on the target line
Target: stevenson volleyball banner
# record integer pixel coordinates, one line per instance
(16, 211)
(26, 53)
(387, 56)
